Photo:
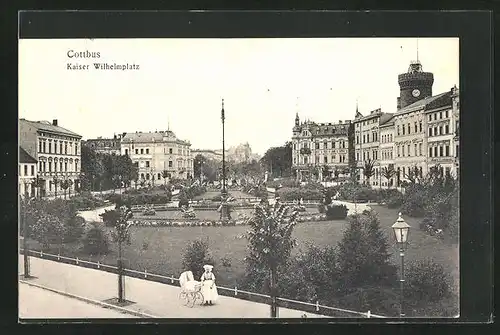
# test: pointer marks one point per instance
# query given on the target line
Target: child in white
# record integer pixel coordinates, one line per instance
(208, 288)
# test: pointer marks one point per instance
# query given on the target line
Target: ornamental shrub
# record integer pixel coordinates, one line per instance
(196, 255)
(427, 281)
(95, 241)
(336, 212)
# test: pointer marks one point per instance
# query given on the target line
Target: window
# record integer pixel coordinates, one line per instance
(50, 147)
(65, 166)
(430, 117)
(170, 162)
(136, 151)
(343, 144)
(317, 145)
(420, 149)
(357, 139)
(44, 166)
(440, 115)
(398, 130)
(408, 129)
(32, 170)
(364, 156)
(126, 151)
(61, 146)
(447, 129)
(39, 146)
(325, 159)
(170, 150)
(399, 151)
(55, 167)
(294, 146)
(294, 160)
(364, 139)
(159, 176)
(142, 151)
(76, 149)
(440, 151)
(420, 171)
(415, 152)
(435, 151)
(357, 156)
(147, 163)
(420, 126)
(403, 150)
(416, 129)
(435, 116)
(440, 130)
(456, 151)
(403, 129)
(409, 150)
(447, 151)
(25, 169)
(446, 114)
(65, 148)
(147, 151)
(435, 131)
(50, 166)
(44, 146)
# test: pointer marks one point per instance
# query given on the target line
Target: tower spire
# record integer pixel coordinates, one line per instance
(417, 51)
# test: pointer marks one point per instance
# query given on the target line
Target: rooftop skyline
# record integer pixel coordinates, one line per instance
(181, 82)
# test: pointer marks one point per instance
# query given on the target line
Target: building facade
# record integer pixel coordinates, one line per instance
(57, 151)
(111, 146)
(27, 174)
(367, 143)
(423, 133)
(387, 153)
(320, 149)
(209, 154)
(156, 152)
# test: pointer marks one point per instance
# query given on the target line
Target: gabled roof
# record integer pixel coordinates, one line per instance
(25, 157)
(386, 118)
(435, 101)
(47, 126)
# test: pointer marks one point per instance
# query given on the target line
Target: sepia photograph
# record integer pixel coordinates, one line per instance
(239, 178)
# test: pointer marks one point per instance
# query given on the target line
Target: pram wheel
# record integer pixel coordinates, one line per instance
(183, 296)
(194, 298)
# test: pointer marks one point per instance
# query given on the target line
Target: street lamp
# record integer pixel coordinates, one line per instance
(401, 230)
(224, 215)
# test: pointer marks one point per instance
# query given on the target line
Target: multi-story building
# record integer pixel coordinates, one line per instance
(367, 142)
(318, 149)
(386, 152)
(57, 151)
(105, 145)
(27, 174)
(455, 124)
(442, 120)
(209, 154)
(155, 152)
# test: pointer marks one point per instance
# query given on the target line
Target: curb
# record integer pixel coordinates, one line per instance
(91, 301)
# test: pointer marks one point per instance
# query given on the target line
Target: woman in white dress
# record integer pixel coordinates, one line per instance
(208, 288)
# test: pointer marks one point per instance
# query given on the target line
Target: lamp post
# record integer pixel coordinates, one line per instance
(25, 241)
(224, 215)
(122, 234)
(401, 230)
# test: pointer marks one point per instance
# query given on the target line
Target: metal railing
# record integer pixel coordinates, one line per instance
(230, 292)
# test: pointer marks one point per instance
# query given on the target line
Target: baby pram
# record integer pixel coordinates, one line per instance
(190, 290)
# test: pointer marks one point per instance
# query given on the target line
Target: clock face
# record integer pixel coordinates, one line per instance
(415, 93)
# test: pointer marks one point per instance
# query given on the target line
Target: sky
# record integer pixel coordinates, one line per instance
(180, 84)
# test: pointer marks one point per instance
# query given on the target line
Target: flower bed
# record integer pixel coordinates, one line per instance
(210, 223)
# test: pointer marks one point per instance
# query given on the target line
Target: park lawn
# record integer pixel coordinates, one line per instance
(160, 249)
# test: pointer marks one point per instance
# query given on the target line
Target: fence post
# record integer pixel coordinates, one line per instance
(235, 291)
(58, 257)
(172, 280)
(145, 273)
(77, 260)
(368, 315)
(98, 264)
(317, 306)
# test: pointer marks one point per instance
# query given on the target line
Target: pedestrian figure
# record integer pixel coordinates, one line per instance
(208, 288)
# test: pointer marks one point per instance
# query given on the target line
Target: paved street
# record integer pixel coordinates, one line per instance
(35, 302)
(151, 298)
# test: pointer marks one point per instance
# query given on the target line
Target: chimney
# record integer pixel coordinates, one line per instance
(114, 136)
(340, 121)
(54, 122)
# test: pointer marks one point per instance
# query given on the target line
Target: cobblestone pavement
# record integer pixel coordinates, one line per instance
(39, 303)
(151, 298)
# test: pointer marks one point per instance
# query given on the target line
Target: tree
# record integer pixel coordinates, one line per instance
(336, 173)
(95, 241)
(47, 229)
(65, 184)
(326, 171)
(270, 242)
(389, 173)
(368, 170)
(55, 182)
(196, 255)
(92, 167)
(279, 160)
(363, 256)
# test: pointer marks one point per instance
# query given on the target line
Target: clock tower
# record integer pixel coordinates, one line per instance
(414, 85)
